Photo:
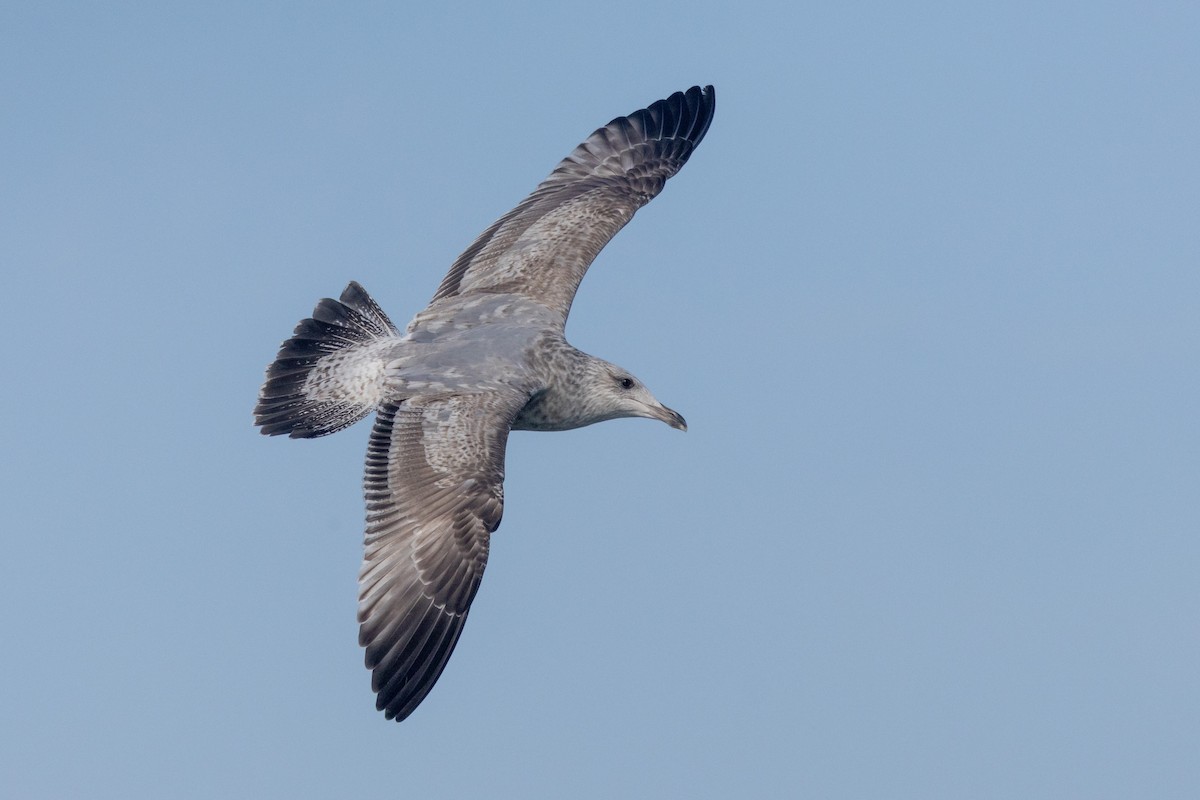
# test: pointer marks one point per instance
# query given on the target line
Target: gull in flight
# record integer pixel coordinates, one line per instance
(486, 356)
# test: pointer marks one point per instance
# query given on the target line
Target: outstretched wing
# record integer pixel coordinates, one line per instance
(542, 248)
(434, 489)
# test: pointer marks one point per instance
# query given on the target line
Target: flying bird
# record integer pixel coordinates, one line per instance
(487, 356)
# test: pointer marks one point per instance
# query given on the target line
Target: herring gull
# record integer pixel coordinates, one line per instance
(486, 356)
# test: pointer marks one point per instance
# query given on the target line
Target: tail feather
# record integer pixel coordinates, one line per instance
(329, 375)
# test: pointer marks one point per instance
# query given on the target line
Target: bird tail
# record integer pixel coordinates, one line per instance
(330, 374)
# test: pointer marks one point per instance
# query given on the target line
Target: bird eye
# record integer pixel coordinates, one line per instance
(626, 383)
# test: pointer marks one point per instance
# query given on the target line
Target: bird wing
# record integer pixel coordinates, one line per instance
(434, 490)
(542, 248)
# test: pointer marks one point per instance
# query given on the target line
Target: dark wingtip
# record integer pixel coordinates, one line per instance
(684, 117)
(706, 100)
(685, 114)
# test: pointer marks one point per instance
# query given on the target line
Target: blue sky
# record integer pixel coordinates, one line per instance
(927, 296)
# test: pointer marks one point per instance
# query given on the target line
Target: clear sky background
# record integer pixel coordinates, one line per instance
(927, 295)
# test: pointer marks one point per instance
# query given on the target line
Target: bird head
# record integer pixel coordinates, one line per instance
(618, 393)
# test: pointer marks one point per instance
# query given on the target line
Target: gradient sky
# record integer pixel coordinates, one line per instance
(927, 295)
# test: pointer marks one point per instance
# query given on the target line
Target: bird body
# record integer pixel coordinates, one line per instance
(488, 355)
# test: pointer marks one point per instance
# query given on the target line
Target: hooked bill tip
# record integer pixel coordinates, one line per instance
(674, 419)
